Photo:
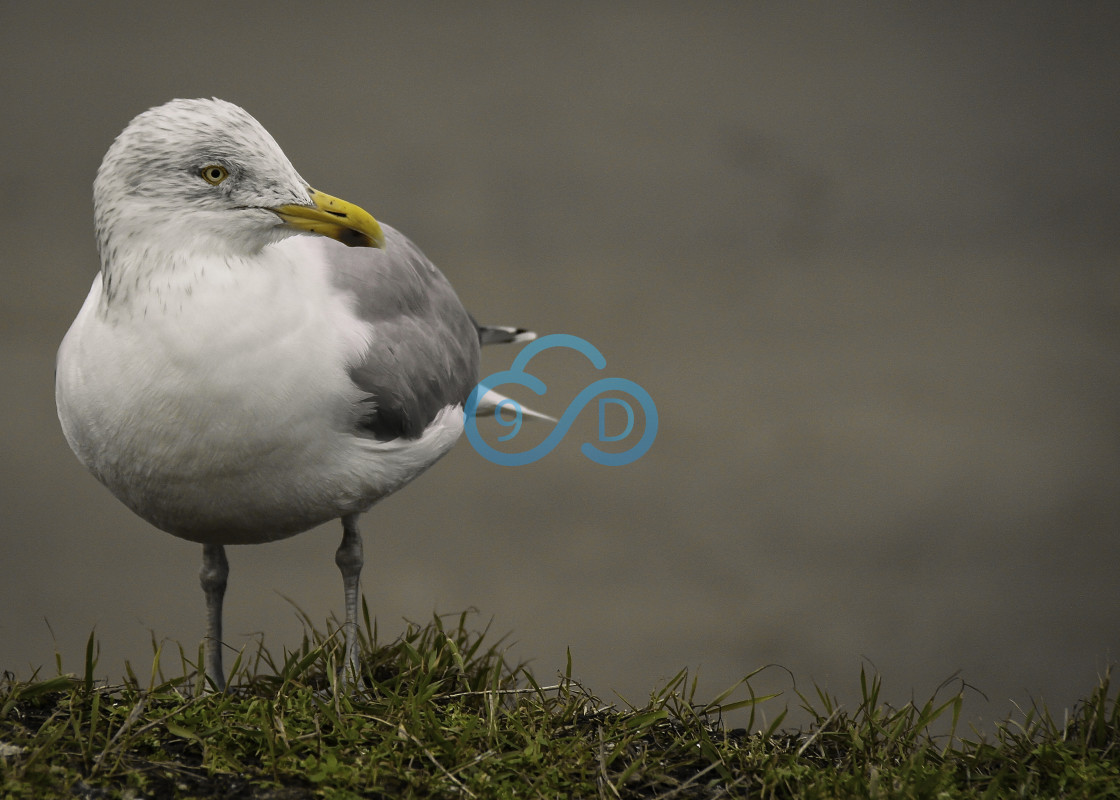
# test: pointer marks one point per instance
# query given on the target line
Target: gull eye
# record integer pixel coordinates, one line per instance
(214, 174)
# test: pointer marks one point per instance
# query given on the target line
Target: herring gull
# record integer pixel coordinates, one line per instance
(234, 380)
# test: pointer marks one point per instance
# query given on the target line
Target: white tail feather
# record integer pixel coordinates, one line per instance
(489, 402)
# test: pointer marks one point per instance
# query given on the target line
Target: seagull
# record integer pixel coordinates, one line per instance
(256, 357)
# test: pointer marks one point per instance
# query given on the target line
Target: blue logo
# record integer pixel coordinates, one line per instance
(517, 374)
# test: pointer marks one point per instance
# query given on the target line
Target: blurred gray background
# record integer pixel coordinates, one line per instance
(863, 257)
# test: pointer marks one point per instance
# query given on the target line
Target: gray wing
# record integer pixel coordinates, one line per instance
(424, 351)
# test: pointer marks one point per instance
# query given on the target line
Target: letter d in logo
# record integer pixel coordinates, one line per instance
(603, 419)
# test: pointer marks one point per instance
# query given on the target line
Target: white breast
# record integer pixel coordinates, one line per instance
(221, 409)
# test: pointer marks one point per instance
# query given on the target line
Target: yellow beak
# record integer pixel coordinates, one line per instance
(329, 216)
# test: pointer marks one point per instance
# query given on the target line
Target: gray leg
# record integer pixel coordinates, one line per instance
(212, 576)
(349, 560)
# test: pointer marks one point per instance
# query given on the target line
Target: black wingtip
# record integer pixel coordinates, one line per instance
(498, 334)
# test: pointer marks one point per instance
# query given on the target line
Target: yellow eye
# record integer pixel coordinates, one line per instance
(214, 174)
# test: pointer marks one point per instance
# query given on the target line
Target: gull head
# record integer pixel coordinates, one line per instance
(203, 176)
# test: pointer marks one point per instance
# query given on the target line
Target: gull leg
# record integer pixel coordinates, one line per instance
(349, 560)
(212, 576)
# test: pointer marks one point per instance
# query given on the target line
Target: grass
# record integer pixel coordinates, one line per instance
(443, 714)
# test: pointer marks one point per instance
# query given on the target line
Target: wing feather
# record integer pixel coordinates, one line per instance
(423, 354)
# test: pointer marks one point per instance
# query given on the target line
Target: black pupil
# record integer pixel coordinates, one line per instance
(215, 173)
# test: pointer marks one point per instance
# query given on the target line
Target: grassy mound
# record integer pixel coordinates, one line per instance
(441, 713)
